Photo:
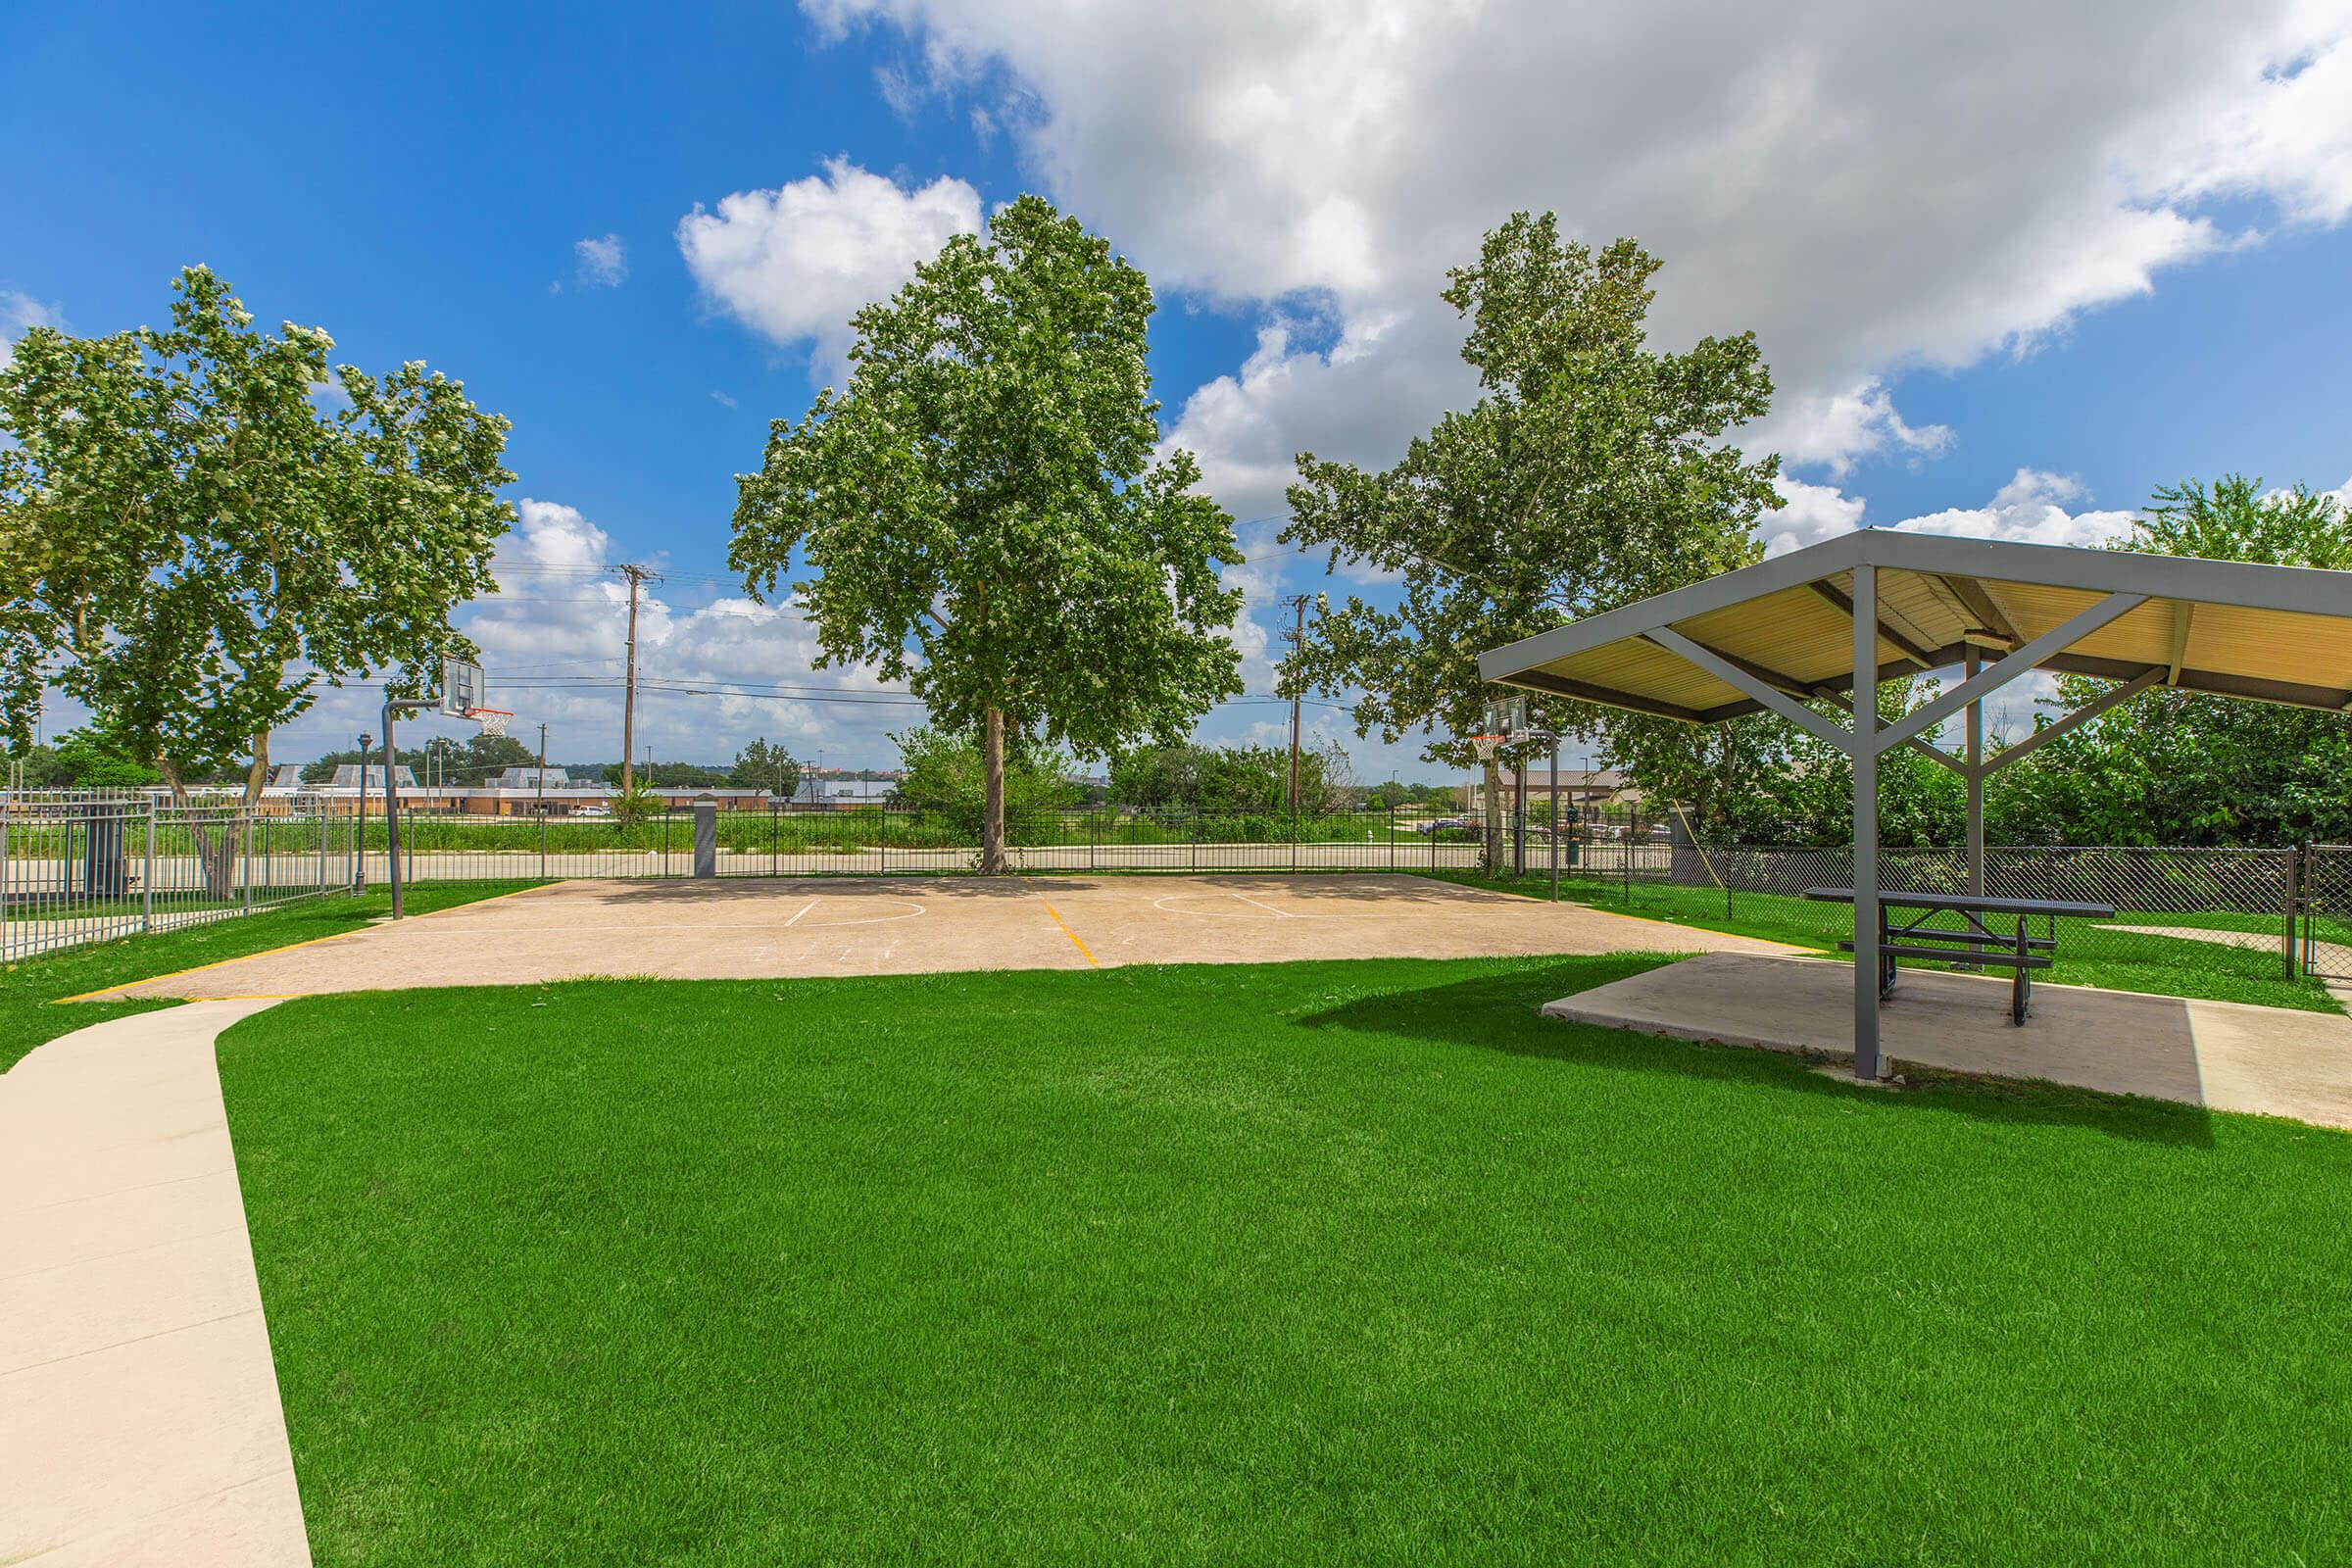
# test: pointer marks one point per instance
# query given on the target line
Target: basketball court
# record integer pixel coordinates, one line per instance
(782, 928)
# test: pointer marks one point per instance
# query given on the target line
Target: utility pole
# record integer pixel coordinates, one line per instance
(638, 577)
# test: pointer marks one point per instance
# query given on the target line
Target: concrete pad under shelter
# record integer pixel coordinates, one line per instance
(2226, 1055)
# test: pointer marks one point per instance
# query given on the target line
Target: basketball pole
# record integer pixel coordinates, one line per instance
(392, 707)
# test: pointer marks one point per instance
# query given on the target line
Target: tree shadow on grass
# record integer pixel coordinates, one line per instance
(1497, 1012)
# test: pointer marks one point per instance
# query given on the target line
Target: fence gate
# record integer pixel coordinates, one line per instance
(2327, 911)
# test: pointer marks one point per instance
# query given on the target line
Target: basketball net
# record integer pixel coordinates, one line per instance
(1485, 746)
(492, 720)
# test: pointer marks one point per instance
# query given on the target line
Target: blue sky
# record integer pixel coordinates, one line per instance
(2010, 276)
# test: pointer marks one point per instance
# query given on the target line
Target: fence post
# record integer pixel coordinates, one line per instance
(706, 838)
(147, 873)
(247, 879)
(2294, 866)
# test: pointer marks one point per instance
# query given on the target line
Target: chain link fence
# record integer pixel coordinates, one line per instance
(2236, 907)
(89, 865)
(2326, 930)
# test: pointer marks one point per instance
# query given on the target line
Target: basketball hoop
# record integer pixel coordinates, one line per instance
(492, 720)
(1485, 746)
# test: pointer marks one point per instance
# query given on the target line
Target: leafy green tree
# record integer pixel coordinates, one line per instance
(1592, 470)
(761, 767)
(2175, 767)
(92, 759)
(985, 514)
(1231, 778)
(946, 778)
(35, 767)
(205, 547)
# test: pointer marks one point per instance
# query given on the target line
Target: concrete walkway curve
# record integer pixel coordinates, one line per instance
(139, 1413)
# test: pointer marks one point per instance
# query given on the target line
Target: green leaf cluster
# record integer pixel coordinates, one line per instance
(192, 540)
(945, 778)
(1592, 469)
(986, 514)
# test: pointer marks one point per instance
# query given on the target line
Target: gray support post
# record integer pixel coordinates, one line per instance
(247, 879)
(391, 809)
(1973, 832)
(147, 878)
(1976, 787)
(2296, 869)
(706, 837)
(1868, 1065)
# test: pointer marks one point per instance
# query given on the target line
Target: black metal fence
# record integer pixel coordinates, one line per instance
(794, 838)
(83, 866)
(89, 865)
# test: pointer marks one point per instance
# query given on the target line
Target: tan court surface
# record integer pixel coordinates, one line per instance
(777, 928)
(2223, 1055)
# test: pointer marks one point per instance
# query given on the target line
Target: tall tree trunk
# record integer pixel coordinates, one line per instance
(258, 774)
(1491, 851)
(216, 844)
(993, 860)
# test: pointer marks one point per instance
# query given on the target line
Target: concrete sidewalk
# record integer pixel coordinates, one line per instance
(139, 1416)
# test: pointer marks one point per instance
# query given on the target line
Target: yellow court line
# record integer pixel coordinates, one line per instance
(1067, 932)
(271, 953)
(266, 953)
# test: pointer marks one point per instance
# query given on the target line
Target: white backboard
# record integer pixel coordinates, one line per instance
(463, 687)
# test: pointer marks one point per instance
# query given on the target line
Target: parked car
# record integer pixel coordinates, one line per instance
(1446, 824)
(591, 811)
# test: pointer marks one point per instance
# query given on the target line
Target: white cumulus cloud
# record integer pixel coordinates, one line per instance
(796, 262)
(1868, 193)
(601, 262)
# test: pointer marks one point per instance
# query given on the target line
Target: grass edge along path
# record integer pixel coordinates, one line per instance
(2154, 965)
(31, 989)
(1339, 1263)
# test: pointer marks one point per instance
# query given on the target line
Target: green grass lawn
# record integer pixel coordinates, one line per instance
(28, 986)
(2090, 952)
(1316, 1263)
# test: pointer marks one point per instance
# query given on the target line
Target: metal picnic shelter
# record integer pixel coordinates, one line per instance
(1816, 624)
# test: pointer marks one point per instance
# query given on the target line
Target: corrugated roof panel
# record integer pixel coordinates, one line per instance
(2316, 648)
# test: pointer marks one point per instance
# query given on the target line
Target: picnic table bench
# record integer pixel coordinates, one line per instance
(1977, 944)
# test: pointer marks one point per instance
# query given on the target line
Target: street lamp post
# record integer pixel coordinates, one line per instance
(358, 858)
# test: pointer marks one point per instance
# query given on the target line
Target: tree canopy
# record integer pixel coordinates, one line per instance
(761, 767)
(193, 541)
(984, 512)
(1231, 778)
(943, 776)
(1592, 469)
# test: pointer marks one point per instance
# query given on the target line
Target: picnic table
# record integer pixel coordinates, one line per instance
(1977, 944)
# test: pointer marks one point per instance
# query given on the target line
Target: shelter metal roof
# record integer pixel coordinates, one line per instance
(2274, 634)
